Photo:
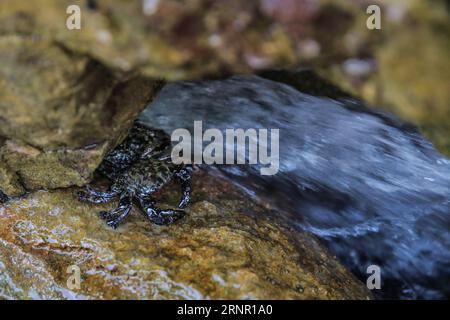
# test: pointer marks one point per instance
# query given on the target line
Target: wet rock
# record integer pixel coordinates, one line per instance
(225, 247)
(60, 112)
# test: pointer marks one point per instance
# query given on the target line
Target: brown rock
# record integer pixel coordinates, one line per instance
(60, 113)
(225, 248)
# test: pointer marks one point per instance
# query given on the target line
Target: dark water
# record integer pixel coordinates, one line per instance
(373, 189)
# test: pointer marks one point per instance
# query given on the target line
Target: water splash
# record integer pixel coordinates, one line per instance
(369, 185)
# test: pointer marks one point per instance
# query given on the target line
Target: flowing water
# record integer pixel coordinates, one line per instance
(372, 188)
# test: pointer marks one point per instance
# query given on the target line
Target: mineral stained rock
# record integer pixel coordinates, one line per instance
(226, 247)
(60, 112)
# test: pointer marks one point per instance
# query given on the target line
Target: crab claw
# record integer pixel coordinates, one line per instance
(109, 219)
(164, 217)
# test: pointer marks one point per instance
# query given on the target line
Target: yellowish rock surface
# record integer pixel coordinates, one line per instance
(226, 247)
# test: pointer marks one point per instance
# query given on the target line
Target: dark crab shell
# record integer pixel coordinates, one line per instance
(138, 167)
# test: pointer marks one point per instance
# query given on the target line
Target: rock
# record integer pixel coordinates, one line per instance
(9, 181)
(226, 247)
(179, 39)
(60, 113)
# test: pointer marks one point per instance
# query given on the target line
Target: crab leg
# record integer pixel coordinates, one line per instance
(185, 178)
(94, 196)
(159, 216)
(114, 218)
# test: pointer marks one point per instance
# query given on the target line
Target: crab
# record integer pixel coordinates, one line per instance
(137, 168)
